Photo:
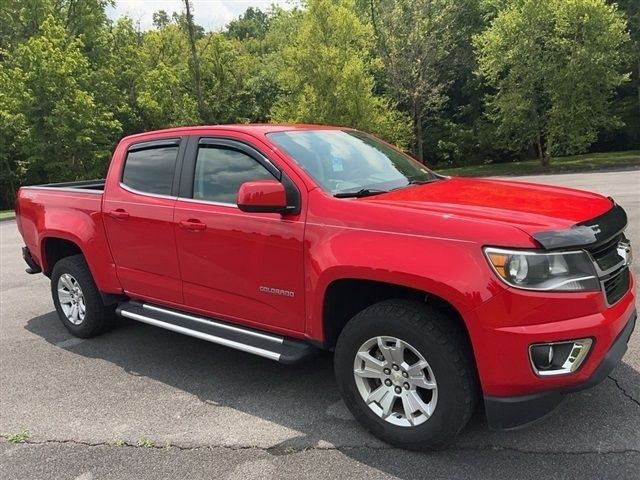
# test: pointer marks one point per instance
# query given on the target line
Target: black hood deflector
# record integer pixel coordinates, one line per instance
(589, 234)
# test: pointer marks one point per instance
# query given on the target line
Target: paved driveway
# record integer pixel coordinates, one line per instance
(202, 411)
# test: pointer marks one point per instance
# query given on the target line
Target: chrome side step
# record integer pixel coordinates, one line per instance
(273, 347)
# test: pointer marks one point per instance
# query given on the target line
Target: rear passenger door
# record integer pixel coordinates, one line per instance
(245, 267)
(138, 217)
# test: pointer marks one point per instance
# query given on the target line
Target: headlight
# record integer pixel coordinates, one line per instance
(532, 270)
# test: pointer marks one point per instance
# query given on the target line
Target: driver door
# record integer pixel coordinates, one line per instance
(231, 261)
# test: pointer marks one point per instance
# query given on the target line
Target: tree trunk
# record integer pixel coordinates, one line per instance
(420, 140)
(638, 65)
(9, 195)
(195, 60)
(546, 160)
(543, 155)
(418, 150)
(373, 19)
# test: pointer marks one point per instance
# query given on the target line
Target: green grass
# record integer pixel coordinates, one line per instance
(146, 443)
(577, 163)
(7, 214)
(20, 436)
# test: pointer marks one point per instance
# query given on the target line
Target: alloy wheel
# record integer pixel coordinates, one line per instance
(71, 299)
(395, 381)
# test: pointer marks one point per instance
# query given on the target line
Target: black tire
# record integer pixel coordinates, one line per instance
(439, 340)
(98, 317)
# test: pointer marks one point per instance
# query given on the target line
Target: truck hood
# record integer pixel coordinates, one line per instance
(530, 207)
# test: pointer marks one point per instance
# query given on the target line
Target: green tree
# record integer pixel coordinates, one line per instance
(20, 20)
(123, 71)
(85, 21)
(459, 132)
(327, 74)
(194, 66)
(554, 65)
(72, 81)
(180, 19)
(241, 74)
(65, 134)
(81, 19)
(629, 95)
(161, 19)
(415, 40)
(253, 23)
(13, 128)
(164, 91)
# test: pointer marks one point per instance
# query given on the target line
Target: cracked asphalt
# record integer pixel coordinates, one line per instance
(140, 402)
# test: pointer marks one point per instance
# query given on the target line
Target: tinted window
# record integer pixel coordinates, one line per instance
(151, 170)
(220, 172)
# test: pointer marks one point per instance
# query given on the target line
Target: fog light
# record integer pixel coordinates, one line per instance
(559, 358)
(542, 356)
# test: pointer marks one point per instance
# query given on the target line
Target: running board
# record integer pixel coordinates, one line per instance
(281, 349)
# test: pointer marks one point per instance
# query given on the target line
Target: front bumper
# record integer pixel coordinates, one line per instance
(503, 328)
(505, 413)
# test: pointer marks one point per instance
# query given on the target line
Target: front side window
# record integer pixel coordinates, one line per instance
(151, 170)
(221, 170)
(343, 161)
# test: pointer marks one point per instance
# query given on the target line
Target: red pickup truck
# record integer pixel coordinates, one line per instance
(280, 241)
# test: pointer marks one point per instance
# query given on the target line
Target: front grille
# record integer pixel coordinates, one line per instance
(616, 285)
(606, 256)
(612, 269)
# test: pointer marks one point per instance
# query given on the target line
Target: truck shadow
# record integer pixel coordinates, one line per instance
(304, 400)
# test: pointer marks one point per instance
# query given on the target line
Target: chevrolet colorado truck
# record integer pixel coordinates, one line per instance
(434, 293)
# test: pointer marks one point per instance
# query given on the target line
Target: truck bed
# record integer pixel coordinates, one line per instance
(71, 211)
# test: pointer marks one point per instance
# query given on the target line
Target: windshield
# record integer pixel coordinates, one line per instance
(344, 162)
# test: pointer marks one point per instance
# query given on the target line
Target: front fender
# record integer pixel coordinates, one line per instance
(454, 270)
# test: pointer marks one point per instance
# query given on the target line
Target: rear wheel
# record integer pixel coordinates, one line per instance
(406, 373)
(77, 299)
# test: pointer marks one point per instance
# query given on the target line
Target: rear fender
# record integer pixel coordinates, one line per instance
(87, 232)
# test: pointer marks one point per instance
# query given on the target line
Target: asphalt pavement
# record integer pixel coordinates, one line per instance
(144, 403)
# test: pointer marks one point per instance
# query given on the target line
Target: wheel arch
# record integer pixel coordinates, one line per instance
(56, 247)
(345, 297)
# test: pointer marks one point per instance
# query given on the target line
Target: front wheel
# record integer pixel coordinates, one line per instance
(405, 372)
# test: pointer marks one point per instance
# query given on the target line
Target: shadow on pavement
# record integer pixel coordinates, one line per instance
(302, 398)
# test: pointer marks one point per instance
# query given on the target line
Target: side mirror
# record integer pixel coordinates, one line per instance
(265, 196)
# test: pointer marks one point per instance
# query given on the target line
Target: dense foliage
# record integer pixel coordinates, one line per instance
(456, 81)
(552, 71)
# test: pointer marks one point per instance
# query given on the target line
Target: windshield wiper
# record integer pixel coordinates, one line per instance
(364, 192)
(423, 182)
(417, 182)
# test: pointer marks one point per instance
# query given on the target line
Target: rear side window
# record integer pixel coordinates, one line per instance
(151, 170)
(220, 171)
